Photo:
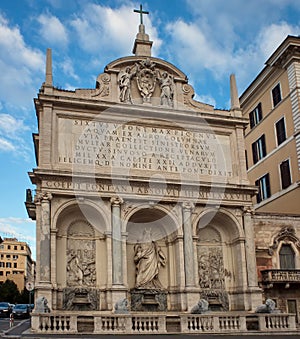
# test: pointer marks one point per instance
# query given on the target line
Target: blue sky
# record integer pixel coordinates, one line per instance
(207, 39)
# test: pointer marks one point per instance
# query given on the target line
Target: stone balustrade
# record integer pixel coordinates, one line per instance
(54, 323)
(277, 275)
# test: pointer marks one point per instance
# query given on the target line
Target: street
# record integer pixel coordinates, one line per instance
(4, 323)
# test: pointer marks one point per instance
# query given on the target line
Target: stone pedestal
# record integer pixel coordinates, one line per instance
(145, 300)
(81, 299)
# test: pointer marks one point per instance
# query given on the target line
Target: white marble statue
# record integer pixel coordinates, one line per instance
(148, 258)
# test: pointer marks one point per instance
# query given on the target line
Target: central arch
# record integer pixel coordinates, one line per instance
(163, 230)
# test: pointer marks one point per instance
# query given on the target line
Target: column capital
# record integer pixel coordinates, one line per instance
(186, 205)
(42, 197)
(248, 210)
(116, 201)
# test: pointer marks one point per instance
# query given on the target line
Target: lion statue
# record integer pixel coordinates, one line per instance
(41, 305)
(267, 307)
(201, 307)
(121, 306)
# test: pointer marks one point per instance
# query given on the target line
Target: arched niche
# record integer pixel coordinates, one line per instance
(81, 256)
(162, 229)
(219, 254)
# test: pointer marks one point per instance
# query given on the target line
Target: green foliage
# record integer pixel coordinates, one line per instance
(9, 292)
(24, 297)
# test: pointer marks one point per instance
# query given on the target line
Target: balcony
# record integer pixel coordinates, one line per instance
(285, 276)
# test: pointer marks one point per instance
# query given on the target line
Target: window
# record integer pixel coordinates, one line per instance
(1, 272)
(2, 264)
(280, 131)
(15, 265)
(15, 248)
(22, 248)
(276, 95)
(259, 149)
(8, 264)
(8, 256)
(285, 174)
(7, 273)
(287, 257)
(1, 247)
(255, 116)
(264, 191)
(15, 256)
(8, 247)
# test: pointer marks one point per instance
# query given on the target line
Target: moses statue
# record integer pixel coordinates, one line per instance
(148, 258)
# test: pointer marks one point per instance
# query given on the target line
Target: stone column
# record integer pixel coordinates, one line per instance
(44, 237)
(53, 250)
(188, 245)
(117, 264)
(250, 248)
(43, 277)
(255, 291)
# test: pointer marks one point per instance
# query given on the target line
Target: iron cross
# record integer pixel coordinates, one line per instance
(141, 13)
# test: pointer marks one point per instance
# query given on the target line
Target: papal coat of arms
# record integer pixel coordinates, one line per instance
(146, 79)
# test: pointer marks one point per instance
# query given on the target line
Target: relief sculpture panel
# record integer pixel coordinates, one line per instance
(81, 263)
(211, 269)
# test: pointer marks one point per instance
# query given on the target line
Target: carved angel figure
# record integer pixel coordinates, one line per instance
(124, 81)
(167, 88)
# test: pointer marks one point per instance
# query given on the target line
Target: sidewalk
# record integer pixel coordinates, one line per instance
(16, 331)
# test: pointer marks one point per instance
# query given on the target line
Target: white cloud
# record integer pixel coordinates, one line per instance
(12, 136)
(21, 228)
(19, 66)
(9, 125)
(272, 36)
(52, 30)
(197, 51)
(102, 29)
(206, 99)
(68, 69)
(6, 145)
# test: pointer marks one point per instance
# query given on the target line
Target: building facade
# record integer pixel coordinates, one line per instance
(272, 138)
(143, 207)
(16, 263)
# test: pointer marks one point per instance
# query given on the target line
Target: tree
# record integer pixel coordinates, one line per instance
(24, 297)
(9, 292)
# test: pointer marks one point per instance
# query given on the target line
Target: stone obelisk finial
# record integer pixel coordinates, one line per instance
(235, 102)
(48, 84)
(49, 79)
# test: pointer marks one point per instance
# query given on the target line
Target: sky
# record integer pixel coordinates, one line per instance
(206, 39)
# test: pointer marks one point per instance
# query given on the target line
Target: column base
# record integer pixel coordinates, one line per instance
(118, 293)
(44, 289)
(192, 297)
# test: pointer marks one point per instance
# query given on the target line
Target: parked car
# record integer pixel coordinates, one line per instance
(31, 306)
(21, 311)
(5, 309)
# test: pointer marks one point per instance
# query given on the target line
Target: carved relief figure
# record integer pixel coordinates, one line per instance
(81, 262)
(124, 84)
(74, 269)
(148, 258)
(211, 269)
(167, 88)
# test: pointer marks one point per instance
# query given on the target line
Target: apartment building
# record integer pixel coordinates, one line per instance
(272, 138)
(16, 263)
(272, 141)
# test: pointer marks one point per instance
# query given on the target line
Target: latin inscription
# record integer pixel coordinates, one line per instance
(171, 191)
(134, 147)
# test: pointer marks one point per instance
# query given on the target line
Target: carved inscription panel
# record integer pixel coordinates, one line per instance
(104, 145)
